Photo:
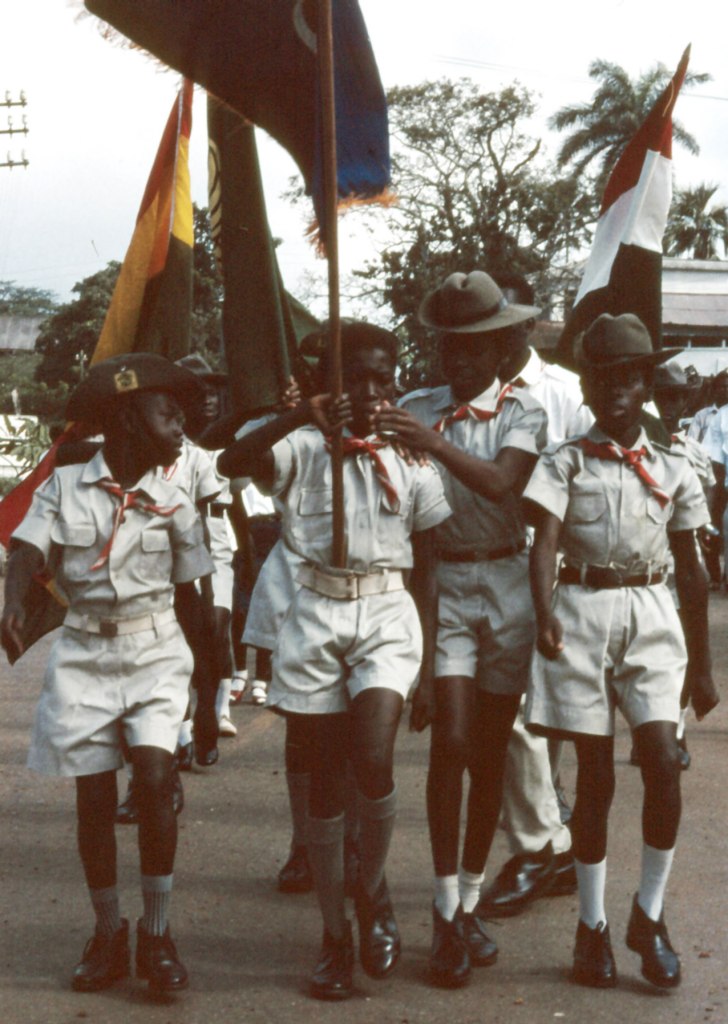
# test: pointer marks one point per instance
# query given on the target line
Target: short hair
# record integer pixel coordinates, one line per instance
(356, 335)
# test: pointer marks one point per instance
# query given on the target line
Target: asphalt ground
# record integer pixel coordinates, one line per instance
(249, 949)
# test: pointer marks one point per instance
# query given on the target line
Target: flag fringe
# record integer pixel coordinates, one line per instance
(385, 198)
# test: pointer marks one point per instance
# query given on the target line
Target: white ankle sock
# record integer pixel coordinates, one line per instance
(656, 866)
(469, 889)
(447, 895)
(592, 879)
(185, 732)
(681, 723)
(222, 699)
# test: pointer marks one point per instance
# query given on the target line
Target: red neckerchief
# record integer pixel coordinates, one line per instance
(471, 411)
(358, 446)
(632, 456)
(127, 500)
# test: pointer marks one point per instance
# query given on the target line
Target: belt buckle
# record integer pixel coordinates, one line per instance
(352, 586)
(108, 628)
(615, 576)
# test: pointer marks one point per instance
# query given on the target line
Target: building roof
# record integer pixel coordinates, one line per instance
(695, 298)
(19, 333)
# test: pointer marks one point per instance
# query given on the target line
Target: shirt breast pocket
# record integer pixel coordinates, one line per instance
(77, 541)
(156, 554)
(586, 506)
(314, 516)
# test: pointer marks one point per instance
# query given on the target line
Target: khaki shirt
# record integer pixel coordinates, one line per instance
(698, 457)
(195, 472)
(71, 519)
(477, 522)
(609, 516)
(376, 537)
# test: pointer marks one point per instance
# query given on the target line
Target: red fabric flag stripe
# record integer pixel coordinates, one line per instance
(15, 505)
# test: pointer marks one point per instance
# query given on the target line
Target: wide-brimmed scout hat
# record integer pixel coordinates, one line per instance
(200, 366)
(619, 341)
(136, 371)
(471, 304)
(672, 377)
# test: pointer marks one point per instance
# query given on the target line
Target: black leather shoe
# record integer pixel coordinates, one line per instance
(178, 793)
(184, 757)
(206, 732)
(483, 950)
(295, 875)
(332, 977)
(104, 961)
(158, 963)
(351, 867)
(379, 942)
(449, 956)
(521, 880)
(660, 962)
(563, 881)
(683, 754)
(127, 813)
(593, 958)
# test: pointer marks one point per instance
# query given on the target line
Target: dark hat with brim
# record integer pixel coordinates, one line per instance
(672, 377)
(619, 341)
(471, 304)
(200, 366)
(122, 375)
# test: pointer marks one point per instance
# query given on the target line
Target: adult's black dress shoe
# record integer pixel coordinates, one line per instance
(660, 962)
(520, 881)
(593, 958)
(127, 813)
(158, 963)
(104, 961)
(483, 950)
(332, 976)
(295, 875)
(449, 957)
(563, 881)
(184, 757)
(379, 941)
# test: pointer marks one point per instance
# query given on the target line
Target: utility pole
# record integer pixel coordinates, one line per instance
(11, 129)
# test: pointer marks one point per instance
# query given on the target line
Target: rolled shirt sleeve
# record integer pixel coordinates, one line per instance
(38, 523)
(526, 429)
(549, 483)
(430, 505)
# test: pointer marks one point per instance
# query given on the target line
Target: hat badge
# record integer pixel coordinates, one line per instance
(125, 380)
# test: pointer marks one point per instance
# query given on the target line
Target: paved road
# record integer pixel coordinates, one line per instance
(249, 949)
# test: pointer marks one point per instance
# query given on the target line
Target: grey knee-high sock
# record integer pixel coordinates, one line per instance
(326, 857)
(376, 824)
(157, 893)
(299, 784)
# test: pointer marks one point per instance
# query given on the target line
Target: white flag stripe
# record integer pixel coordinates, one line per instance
(638, 217)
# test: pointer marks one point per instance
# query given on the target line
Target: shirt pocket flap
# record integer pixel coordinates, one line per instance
(659, 513)
(314, 502)
(73, 535)
(155, 540)
(586, 505)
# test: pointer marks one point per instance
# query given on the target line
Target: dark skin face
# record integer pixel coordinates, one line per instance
(616, 395)
(210, 403)
(470, 361)
(368, 381)
(671, 405)
(148, 432)
(720, 391)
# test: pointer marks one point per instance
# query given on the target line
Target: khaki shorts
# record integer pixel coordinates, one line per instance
(329, 651)
(486, 623)
(622, 647)
(99, 692)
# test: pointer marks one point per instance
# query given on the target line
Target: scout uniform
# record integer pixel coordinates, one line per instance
(121, 659)
(622, 636)
(486, 619)
(357, 624)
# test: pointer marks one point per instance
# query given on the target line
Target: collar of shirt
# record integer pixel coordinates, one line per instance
(531, 372)
(486, 401)
(643, 441)
(151, 484)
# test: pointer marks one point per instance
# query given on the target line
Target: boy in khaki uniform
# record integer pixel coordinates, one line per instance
(609, 634)
(118, 539)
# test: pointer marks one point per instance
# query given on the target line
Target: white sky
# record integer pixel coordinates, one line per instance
(96, 113)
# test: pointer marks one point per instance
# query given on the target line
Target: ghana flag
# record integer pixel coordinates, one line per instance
(152, 302)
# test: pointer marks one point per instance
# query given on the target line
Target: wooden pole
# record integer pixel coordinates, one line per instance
(325, 45)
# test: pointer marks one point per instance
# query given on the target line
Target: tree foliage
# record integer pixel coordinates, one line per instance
(17, 300)
(599, 130)
(695, 230)
(473, 192)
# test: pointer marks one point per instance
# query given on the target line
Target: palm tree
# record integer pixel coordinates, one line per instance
(693, 229)
(600, 130)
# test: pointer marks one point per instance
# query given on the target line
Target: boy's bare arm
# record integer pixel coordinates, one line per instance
(692, 590)
(423, 586)
(542, 571)
(24, 562)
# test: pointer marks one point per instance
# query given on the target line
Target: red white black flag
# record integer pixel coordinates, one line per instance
(624, 271)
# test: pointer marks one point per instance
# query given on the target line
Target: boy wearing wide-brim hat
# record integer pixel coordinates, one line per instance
(614, 504)
(484, 439)
(118, 539)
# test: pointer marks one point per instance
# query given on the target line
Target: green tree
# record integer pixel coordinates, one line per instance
(599, 130)
(473, 191)
(695, 230)
(17, 300)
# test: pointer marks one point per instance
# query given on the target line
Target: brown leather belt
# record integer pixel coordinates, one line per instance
(476, 555)
(606, 577)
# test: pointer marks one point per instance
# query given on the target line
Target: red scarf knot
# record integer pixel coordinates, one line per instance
(358, 446)
(127, 500)
(470, 411)
(633, 457)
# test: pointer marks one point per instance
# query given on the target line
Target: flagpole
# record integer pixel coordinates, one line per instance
(325, 47)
